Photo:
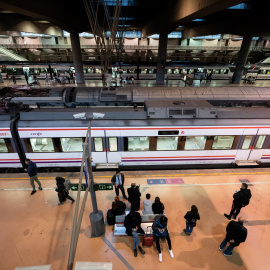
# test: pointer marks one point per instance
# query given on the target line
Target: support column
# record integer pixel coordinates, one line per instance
(161, 61)
(242, 58)
(77, 57)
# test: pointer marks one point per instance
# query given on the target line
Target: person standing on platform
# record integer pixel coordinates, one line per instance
(118, 181)
(158, 206)
(14, 79)
(134, 197)
(26, 76)
(160, 231)
(133, 226)
(32, 172)
(236, 234)
(147, 205)
(240, 199)
(191, 218)
(201, 79)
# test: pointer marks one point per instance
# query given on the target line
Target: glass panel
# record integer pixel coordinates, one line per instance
(113, 144)
(260, 142)
(138, 143)
(195, 143)
(72, 144)
(42, 144)
(247, 142)
(167, 143)
(98, 144)
(3, 146)
(223, 142)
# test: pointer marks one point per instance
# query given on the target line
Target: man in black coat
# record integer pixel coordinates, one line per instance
(134, 197)
(133, 227)
(32, 172)
(236, 234)
(118, 181)
(240, 199)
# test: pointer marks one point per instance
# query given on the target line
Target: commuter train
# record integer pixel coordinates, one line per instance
(161, 135)
(93, 70)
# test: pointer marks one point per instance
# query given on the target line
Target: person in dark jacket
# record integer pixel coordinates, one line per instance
(134, 197)
(32, 172)
(118, 181)
(160, 230)
(191, 218)
(240, 199)
(236, 234)
(61, 190)
(158, 206)
(120, 207)
(133, 227)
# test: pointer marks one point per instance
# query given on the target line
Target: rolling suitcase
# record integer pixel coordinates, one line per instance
(148, 237)
(110, 217)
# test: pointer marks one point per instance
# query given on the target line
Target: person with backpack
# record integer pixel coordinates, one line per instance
(236, 234)
(191, 218)
(160, 231)
(62, 191)
(240, 199)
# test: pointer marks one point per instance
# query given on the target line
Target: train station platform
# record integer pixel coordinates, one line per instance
(36, 231)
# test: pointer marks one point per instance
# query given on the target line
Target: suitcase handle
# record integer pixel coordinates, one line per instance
(151, 231)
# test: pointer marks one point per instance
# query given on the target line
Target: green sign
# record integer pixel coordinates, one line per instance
(103, 186)
(75, 187)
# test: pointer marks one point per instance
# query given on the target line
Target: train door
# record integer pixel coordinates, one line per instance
(251, 146)
(99, 147)
(112, 138)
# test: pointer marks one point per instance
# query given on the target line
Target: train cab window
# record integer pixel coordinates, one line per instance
(98, 144)
(195, 142)
(223, 142)
(259, 144)
(72, 144)
(42, 144)
(113, 144)
(138, 144)
(247, 142)
(167, 143)
(3, 146)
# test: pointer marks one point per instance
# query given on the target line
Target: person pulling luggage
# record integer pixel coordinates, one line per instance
(62, 191)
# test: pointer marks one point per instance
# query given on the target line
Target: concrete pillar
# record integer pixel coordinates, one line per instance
(242, 58)
(161, 61)
(77, 57)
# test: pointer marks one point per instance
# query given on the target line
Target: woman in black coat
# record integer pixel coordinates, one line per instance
(191, 218)
(133, 227)
(61, 190)
(158, 206)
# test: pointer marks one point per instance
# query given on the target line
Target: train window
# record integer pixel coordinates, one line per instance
(138, 144)
(169, 71)
(195, 142)
(42, 144)
(71, 144)
(223, 142)
(132, 70)
(167, 143)
(191, 71)
(113, 144)
(151, 71)
(260, 142)
(144, 71)
(224, 71)
(98, 144)
(3, 146)
(247, 142)
(184, 71)
(176, 71)
(215, 71)
(200, 69)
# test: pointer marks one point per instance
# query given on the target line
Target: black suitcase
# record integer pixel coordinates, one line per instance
(110, 217)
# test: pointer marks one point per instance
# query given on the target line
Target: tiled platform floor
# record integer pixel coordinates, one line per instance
(34, 230)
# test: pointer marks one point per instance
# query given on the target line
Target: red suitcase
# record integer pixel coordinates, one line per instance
(148, 237)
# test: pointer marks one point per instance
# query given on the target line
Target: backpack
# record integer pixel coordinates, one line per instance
(192, 222)
(67, 185)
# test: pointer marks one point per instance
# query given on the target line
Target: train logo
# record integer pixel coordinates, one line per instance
(4, 134)
(36, 134)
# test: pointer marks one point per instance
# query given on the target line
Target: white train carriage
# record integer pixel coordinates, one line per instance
(9, 156)
(172, 136)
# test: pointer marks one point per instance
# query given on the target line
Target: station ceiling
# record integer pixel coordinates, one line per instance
(191, 17)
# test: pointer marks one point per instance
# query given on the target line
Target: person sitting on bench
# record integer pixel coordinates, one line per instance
(133, 227)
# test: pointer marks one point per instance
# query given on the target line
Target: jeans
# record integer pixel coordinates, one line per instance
(121, 187)
(32, 179)
(229, 248)
(188, 228)
(136, 240)
(168, 240)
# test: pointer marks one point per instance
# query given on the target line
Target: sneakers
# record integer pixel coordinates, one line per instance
(225, 254)
(220, 248)
(40, 188)
(33, 192)
(141, 250)
(160, 257)
(227, 216)
(171, 253)
(135, 252)
(187, 233)
(60, 203)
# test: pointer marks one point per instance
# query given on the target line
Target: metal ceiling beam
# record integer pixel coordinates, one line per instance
(179, 12)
